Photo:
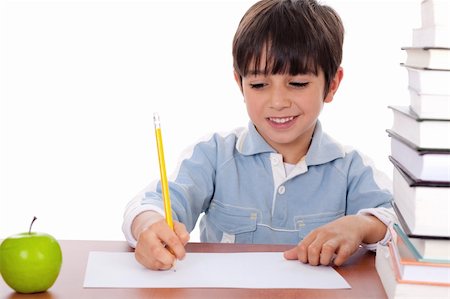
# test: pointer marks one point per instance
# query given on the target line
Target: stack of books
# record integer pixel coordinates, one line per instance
(416, 263)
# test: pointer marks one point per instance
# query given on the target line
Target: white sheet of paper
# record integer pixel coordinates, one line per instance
(266, 270)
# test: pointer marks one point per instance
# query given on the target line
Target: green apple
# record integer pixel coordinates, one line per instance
(30, 262)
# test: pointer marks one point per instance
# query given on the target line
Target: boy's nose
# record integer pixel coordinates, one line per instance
(280, 100)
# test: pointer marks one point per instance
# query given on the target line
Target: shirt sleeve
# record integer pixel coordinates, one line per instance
(133, 209)
(370, 193)
(191, 187)
(368, 187)
(385, 215)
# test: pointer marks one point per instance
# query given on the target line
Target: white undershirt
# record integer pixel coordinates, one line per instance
(288, 168)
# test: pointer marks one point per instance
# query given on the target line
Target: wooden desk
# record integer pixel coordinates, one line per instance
(359, 272)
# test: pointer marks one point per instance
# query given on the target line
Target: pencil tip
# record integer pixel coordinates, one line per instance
(174, 266)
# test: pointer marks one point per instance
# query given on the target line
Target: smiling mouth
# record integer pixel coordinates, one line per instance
(281, 120)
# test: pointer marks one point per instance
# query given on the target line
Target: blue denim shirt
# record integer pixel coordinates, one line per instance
(239, 182)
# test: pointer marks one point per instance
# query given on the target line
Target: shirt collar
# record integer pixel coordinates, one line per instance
(323, 148)
(253, 143)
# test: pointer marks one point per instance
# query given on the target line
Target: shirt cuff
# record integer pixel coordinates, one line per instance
(385, 215)
(129, 217)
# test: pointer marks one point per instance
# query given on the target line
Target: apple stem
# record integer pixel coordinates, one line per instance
(34, 219)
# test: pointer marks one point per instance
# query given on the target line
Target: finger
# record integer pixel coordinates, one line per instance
(166, 259)
(327, 252)
(303, 246)
(313, 252)
(302, 252)
(152, 262)
(291, 254)
(316, 240)
(151, 253)
(343, 253)
(182, 233)
(154, 248)
(171, 241)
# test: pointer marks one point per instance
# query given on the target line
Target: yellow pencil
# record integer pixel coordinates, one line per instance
(162, 170)
(164, 182)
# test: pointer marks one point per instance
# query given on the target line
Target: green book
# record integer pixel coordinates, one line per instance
(433, 250)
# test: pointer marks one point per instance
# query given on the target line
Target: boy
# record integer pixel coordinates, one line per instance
(281, 180)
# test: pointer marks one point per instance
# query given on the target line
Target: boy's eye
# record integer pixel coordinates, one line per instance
(257, 85)
(299, 84)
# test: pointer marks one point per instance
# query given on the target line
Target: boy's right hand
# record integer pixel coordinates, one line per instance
(155, 239)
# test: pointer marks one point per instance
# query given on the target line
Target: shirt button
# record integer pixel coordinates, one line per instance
(275, 161)
(281, 190)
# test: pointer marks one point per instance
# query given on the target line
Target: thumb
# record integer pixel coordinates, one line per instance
(291, 254)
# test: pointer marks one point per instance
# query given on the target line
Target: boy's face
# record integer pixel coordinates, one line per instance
(285, 108)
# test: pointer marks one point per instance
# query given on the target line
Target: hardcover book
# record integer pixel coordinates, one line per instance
(422, 207)
(429, 81)
(434, 250)
(410, 270)
(436, 36)
(421, 164)
(427, 58)
(395, 287)
(422, 132)
(432, 106)
(435, 13)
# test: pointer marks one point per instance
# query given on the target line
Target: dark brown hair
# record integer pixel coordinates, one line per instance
(296, 36)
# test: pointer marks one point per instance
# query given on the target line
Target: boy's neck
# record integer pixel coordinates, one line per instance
(294, 157)
(293, 153)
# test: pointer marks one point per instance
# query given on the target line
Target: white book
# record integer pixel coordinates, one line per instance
(430, 105)
(396, 288)
(436, 36)
(428, 58)
(423, 133)
(424, 209)
(429, 81)
(409, 269)
(421, 164)
(435, 13)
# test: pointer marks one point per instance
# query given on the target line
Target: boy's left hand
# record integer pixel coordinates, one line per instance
(337, 240)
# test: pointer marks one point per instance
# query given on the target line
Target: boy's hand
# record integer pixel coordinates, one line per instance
(336, 241)
(153, 243)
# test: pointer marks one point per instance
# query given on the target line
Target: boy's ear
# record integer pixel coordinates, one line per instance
(334, 85)
(238, 80)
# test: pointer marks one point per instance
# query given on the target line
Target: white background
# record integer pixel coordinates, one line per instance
(80, 80)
